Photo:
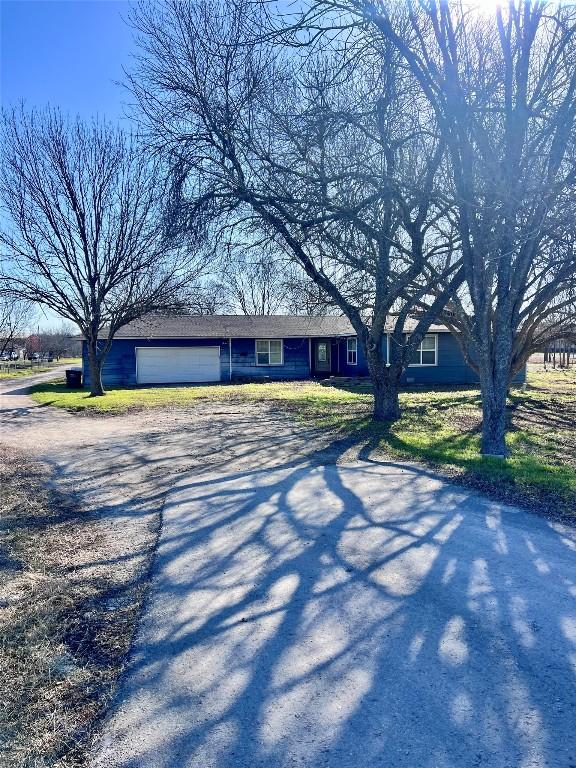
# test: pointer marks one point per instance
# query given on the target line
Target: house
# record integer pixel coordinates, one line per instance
(190, 348)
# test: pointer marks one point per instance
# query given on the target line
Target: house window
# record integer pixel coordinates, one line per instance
(427, 352)
(322, 352)
(352, 351)
(269, 352)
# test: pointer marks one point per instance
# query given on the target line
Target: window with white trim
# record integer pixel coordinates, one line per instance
(269, 352)
(427, 352)
(352, 351)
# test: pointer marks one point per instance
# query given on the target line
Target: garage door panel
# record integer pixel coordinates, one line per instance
(174, 365)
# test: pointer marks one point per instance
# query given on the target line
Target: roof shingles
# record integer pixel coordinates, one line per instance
(240, 327)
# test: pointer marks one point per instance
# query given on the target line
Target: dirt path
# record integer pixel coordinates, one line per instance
(120, 467)
(306, 610)
(349, 616)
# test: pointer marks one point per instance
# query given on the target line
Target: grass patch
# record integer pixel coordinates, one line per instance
(440, 427)
(16, 373)
(123, 400)
(61, 648)
(21, 368)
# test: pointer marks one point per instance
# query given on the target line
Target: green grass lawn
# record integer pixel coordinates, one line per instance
(18, 368)
(440, 427)
(15, 373)
(68, 361)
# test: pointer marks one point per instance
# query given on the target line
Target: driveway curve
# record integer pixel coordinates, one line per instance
(311, 609)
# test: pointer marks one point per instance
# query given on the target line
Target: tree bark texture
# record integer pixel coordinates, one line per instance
(385, 383)
(494, 388)
(95, 369)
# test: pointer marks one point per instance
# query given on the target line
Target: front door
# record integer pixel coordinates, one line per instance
(322, 357)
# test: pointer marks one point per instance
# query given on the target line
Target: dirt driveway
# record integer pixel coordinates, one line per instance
(122, 466)
(310, 609)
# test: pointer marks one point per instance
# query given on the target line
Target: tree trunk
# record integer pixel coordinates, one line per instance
(494, 390)
(385, 383)
(95, 369)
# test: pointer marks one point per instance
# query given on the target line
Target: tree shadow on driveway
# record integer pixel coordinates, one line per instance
(349, 615)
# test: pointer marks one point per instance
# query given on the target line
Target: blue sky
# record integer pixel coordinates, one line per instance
(68, 53)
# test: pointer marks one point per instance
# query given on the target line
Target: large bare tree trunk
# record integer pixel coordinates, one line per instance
(385, 383)
(493, 421)
(494, 381)
(95, 368)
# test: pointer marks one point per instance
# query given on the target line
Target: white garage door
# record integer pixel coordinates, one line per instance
(171, 365)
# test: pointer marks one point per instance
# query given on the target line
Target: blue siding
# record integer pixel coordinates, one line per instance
(296, 361)
(360, 369)
(120, 365)
(450, 369)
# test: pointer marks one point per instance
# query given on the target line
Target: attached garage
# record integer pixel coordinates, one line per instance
(175, 365)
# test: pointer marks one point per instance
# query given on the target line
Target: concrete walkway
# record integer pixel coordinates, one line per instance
(350, 616)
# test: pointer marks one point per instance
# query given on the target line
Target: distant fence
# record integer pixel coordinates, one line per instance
(18, 365)
(560, 354)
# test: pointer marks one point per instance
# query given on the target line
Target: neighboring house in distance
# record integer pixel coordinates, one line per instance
(189, 348)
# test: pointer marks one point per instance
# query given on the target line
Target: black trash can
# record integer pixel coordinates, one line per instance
(73, 378)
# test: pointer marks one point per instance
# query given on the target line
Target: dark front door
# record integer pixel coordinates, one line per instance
(322, 356)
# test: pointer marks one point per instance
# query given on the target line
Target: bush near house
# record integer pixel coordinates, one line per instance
(439, 427)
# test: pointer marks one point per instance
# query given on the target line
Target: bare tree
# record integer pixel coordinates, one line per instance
(305, 297)
(210, 297)
(258, 280)
(256, 283)
(84, 234)
(60, 341)
(501, 86)
(324, 160)
(15, 317)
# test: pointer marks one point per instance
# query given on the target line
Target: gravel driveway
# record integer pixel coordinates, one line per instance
(310, 609)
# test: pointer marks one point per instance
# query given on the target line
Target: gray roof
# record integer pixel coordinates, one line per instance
(241, 327)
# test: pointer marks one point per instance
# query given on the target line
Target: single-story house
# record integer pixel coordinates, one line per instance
(190, 348)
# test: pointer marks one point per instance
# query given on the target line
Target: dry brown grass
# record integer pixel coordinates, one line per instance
(65, 623)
